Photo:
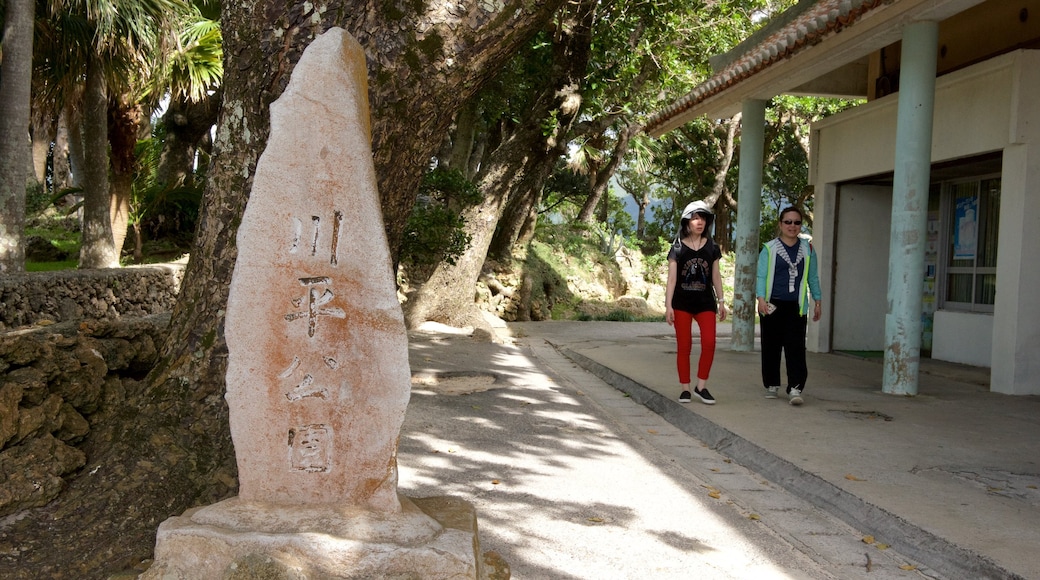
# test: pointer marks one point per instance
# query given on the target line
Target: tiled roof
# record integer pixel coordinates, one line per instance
(823, 19)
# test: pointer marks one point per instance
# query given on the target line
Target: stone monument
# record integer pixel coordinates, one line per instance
(318, 377)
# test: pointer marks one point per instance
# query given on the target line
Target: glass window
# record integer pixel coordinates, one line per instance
(973, 213)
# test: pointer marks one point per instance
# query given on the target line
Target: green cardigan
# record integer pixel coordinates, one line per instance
(767, 269)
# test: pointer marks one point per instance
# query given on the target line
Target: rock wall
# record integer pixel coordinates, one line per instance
(74, 346)
(37, 298)
(57, 383)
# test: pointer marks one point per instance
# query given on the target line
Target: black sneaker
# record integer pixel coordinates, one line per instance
(684, 397)
(705, 396)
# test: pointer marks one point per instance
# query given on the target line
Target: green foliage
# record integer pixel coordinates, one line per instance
(35, 198)
(564, 192)
(163, 211)
(197, 65)
(655, 257)
(435, 229)
(785, 176)
(619, 315)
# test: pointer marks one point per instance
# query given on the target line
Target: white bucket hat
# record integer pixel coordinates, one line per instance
(691, 208)
(698, 207)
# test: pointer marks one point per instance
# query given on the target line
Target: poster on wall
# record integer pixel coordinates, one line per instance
(966, 228)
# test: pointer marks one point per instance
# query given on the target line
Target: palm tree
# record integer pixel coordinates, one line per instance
(16, 71)
(118, 43)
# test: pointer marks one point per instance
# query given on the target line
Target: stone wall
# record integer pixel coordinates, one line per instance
(74, 345)
(37, 298)
(57, 383)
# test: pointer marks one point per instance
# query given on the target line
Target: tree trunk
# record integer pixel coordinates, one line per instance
(124, 129)
(447, 296)
(521, 164)
(642, 203)
(77, 153)
(599, 177)
(43, 134)
(187, 125)
(173, 449)
(464, 138)
(60, 170)
(98, 246)
(521, 209)
(16, 70)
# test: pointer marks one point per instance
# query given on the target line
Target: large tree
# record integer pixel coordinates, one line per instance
(172, 449)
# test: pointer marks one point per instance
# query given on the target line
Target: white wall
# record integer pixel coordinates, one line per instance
(972, 116)
(991, 106)
(861, 240)
(965, 337)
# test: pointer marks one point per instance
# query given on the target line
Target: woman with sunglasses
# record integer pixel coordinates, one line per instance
(694, 292)
(787, 276)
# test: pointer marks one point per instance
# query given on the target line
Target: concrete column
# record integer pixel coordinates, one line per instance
(910, 208)
(749, 215)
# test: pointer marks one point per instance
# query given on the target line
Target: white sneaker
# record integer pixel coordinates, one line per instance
(795, 397)
(771, 392)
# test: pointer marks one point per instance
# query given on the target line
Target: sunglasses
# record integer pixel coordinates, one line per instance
(792, 222)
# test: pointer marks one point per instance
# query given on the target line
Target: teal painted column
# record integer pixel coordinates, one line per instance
(910, 208)
(749, 215)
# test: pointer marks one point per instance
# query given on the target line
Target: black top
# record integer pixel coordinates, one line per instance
(694, 291)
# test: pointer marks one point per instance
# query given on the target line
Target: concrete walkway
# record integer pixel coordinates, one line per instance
(949, 478)
(570, 442)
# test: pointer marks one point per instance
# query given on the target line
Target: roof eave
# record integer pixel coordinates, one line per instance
(831, 34)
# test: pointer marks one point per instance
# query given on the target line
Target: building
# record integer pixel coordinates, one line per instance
(927, 196)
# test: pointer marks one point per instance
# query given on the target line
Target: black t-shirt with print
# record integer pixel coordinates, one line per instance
(694, 291)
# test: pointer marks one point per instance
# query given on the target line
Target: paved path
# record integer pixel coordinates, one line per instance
(572, 478)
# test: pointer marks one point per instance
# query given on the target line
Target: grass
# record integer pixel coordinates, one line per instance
(51, 266)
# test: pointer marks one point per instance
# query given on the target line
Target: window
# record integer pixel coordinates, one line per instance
(972, 212)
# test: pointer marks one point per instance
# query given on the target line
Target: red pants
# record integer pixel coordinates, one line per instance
(684, 342)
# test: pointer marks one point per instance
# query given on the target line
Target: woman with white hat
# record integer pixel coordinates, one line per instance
(694, 293)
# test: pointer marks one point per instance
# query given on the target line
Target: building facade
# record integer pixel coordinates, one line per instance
(927, 196)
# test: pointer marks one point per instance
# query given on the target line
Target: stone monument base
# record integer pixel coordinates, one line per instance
(431, 538)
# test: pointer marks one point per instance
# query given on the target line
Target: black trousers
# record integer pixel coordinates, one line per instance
(783, 332)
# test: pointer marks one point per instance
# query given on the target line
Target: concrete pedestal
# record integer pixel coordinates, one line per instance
(430, 538)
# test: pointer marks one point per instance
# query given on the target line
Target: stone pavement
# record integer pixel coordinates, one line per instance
(581, 464)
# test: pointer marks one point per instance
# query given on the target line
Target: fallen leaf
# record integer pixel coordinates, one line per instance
(881, 546)
(652, 431)
(727, 461)
(595, 519)
(868, 539)
(851, 477)
(715, 469)
(1031, 486)
(451, 450)
(475, 407)
(714, 494)
(495, 482)
(755, 517)
(908, 567)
